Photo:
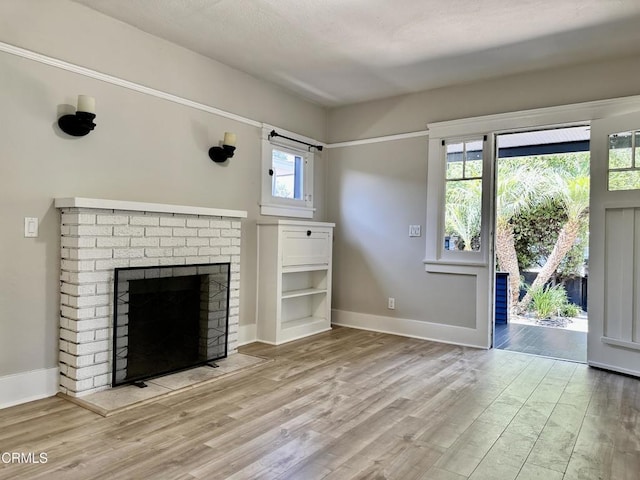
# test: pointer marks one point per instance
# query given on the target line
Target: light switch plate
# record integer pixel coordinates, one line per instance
(414, 230)
(30, 227)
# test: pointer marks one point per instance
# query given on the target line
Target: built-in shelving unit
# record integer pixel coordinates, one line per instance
(294, 279)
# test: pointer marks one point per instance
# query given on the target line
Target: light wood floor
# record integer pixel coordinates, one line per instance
(353, 404)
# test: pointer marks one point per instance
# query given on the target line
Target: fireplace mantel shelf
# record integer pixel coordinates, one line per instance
(81, 202)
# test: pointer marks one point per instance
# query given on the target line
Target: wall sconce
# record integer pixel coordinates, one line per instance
(81, 123)
(223, 153)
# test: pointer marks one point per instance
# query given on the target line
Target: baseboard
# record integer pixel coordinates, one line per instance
(604, 366)
(28, 386)
(247, 334)
(406, 328)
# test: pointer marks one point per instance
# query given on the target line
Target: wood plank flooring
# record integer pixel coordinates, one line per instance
(350, 404)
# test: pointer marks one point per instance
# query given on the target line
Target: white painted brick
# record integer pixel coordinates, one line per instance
(173, 242)
(64, 300)
(111, 264)
(208, 232)
(89, 347)
(197, 260)
(236, 225)
(78, 242)
(77, 313)
(64, 345)
(93, 253)
(128, 253)
(78, 219)
(220, 242)
(230, 251)
(101, 357)
(103, 288)
(197, 242)
(77, 290)
(110, 242)
(220, 224)
(112, 220)
(209, 251)
(88, 372)
(158, 252)
(145, 242)
(235, 242)
(89, 301)
(172, 222)
(102, 380)
(185, 232)
(91, 277)
(103, 311)
(232, 232)
(92, 231)
(158, 231)
(89, 324)
(65, 230)
(221, 259)
(144, 262)
(76, 337)
(198, 222)
(128, 231)
(148, 221)
(77, 265)
(185, 251)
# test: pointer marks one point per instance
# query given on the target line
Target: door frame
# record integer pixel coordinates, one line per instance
(492, 125)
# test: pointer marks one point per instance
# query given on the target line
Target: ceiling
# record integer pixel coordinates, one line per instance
(336, 52)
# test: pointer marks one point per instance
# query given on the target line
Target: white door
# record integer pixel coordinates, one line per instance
(614, 248)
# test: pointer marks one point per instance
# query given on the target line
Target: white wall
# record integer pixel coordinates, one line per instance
(143, 149)
(375, 191)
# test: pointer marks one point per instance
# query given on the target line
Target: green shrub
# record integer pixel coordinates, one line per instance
(548, 300)
(570, 310)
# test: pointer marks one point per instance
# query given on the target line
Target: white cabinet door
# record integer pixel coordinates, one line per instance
(308, 246)
(614, 249)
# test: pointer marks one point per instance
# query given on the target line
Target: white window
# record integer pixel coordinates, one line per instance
(287, 175)
(458, 196)
(624, 161)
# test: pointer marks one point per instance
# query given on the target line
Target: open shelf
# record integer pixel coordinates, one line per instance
(303, 292)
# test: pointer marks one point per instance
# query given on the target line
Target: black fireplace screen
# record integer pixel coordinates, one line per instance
(168, 319)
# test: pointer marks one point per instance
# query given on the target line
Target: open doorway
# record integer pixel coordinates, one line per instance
(541, 231)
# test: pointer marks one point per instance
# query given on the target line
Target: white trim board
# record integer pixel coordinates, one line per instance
(28, 386)
(498, 122)
(100, 203)
(435, 332)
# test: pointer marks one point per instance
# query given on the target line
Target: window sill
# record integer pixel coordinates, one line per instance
(286, 211)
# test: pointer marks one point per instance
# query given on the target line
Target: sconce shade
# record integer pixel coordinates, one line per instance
(81, 123)
(226, 151)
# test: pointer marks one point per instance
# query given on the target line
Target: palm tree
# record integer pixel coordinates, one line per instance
(521, 185)
(573, 193)
(463, 213)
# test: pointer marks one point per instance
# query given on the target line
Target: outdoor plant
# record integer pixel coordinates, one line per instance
(548, 300)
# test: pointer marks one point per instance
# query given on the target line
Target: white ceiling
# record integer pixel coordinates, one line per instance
(336, 52)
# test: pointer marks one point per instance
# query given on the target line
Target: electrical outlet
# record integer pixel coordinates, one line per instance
(391, 305)
(414, 230)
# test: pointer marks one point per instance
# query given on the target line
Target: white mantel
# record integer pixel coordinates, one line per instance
(101, 203)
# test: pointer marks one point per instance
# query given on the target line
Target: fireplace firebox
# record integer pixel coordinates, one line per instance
(168, 319)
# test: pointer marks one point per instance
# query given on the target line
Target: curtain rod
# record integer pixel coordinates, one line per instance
(310, 145)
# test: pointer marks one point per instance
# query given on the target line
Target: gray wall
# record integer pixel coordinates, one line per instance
(143, 149)
(375, 191)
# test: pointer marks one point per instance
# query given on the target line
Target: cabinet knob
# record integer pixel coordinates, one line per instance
(308, 233)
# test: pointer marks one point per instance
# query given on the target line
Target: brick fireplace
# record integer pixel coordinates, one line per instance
(98, 236)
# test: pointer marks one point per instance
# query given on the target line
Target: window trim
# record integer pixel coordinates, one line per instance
(279, 206)
(435, 253)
